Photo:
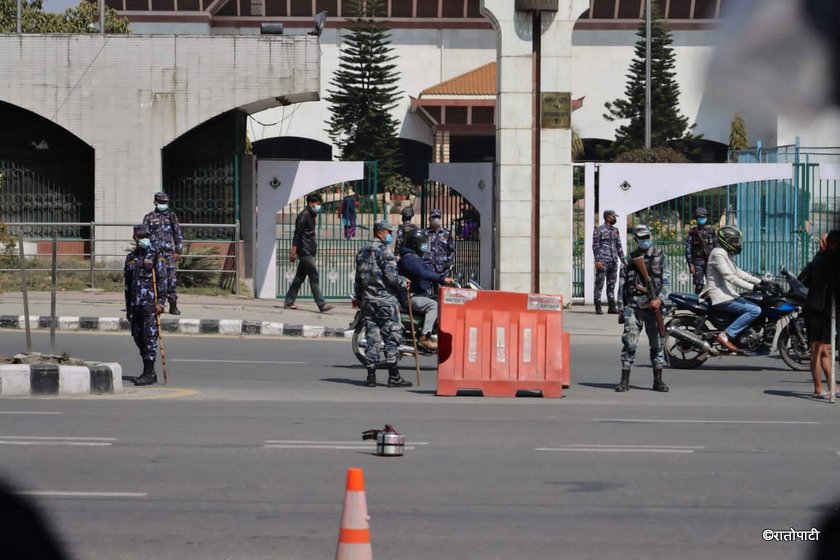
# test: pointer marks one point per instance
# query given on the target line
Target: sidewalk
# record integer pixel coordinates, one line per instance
(227, 315)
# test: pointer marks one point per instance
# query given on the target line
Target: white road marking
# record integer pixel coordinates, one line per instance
(61, 438)
(235, 361)
(63, 494)
(616, 449)
(662, 421)
(610, 446)
(26, 412)
(357, 445)
(65, 441)
(336, 442)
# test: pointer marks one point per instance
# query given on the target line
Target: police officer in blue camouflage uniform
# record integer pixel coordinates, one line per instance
(606, 245)
(379, 289)
(698, 246)
(441, 253)
(143, 268)
(168, 242)
(639, 302)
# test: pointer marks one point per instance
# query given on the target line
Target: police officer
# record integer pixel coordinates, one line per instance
(407, 214)
(167, 242)
(378, 289)
(143, 269)
(606, 245)
(698, 247)
(639, 303)
(441, 253)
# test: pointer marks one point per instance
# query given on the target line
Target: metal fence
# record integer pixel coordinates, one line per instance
(95, 256)
(462, 219)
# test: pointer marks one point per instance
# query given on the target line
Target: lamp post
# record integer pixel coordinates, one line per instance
(18, 16)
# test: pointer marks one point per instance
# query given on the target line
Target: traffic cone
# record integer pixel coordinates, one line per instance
(354, 533)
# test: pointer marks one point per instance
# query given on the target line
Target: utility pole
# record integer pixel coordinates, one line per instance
(647, 72)
(18, 16)
(102, 16)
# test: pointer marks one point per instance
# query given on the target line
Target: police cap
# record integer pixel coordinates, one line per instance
(641, 231)
(382, 224)
(436, 213)
(162, 198)
(142, 230)
(609, 213)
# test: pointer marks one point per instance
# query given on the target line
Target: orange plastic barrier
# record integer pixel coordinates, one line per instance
(501, 343)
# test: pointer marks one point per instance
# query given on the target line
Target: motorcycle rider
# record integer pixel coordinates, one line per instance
(377, 288)
(423, 279)
(640, 302)
(723, 278)
(698, 245)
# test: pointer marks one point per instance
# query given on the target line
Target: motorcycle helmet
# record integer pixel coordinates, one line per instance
(417, 240)
(407, 213)
(729, 237)
(701, 212)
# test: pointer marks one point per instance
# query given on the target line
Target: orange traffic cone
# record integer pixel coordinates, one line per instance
(354, 534)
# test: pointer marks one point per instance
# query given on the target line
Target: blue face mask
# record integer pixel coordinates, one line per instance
(316, 208)
(424, 247)
(162, 207)
(144, 243)
(644, 244)
(388, 239)
(701, 221)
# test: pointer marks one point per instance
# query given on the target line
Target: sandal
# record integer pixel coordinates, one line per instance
(822, 395)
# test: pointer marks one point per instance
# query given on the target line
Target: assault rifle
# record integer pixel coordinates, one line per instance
(639, 263)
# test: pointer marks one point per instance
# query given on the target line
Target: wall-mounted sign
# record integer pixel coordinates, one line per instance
(537, 5)
(556, 110)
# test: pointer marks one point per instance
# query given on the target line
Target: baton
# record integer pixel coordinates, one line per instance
(413, 335)
(160, 332)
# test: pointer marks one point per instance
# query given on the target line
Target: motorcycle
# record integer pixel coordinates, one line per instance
(691, 333)
(406, 347)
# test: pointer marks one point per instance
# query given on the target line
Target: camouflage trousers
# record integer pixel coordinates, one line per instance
(699, 276)
(145, 333)
(610, 273)
(170, 283)
(634, 318)
(383, 334)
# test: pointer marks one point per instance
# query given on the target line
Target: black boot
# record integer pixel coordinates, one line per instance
(658, 384)
(371, 378)
(612, 310)
(173, 308)
(624, 384)
(148, 377)
(598, 310)
(394, 378)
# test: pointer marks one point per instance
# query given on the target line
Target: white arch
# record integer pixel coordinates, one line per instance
(278, 184)
(475, 183)
(628, 187)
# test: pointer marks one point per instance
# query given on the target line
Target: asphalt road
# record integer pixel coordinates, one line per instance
(244, 457)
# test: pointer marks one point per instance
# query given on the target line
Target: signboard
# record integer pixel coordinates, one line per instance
(538, 302)
(459, 297)
(537, 5)
(556, 110)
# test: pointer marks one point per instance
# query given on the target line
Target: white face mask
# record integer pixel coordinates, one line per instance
(316, 208)
(435, 222)
(165, 207)
(144, 243)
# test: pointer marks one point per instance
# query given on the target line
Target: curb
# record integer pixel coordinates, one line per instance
(236, 327)
(53, 380)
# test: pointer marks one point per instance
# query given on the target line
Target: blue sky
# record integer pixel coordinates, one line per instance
(59, 6)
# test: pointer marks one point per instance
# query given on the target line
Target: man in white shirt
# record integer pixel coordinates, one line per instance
(724, 279)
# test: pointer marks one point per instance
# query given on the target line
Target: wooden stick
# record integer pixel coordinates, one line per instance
(832, 376)
(160, 332)
(413, 334)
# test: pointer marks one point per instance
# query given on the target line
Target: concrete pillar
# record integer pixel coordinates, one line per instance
(516, 152)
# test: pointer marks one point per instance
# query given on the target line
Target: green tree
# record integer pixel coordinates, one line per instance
(738, 139)
(364, 91)
(668, 126)
(84, 18)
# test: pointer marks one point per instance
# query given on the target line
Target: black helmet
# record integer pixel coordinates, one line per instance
(729, 238)
(407, 213)
(701, 212)
(415, 239)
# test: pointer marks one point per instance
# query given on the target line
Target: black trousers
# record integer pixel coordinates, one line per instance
(306, 267)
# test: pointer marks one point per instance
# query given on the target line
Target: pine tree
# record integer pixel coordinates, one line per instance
(364, 92)
(738, 139)
(667, 124)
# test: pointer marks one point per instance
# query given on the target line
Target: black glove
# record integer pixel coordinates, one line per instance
(621, 316)
(764, 286)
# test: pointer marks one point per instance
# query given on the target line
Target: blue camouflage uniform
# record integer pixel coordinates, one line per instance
(166, 240)
(606, 246)
(698, 246)
(140, 298)
(636, 305)
(441, 253)
(378, 288)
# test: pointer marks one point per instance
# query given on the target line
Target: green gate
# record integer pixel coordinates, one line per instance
(461, 218)
(336, 257)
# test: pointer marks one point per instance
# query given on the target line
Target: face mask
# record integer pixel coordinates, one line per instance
(162, 207)
(424, 247)
(702, 221)
(316, 208)
(388, 239)
(644, 244)
(436, 222)
(144, 243)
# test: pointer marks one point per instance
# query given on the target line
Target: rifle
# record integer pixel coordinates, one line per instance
(639, 263)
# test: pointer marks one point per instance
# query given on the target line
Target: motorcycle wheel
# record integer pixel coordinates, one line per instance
(793, 354)
(358, 343)
(682, 355)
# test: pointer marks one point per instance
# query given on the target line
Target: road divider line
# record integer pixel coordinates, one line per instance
(66, 494)
(360, 443)
(610, 446)
(61, 438)
(311, 446)
(27, 412)
(63, 443)
(663, 421)
(615, 450)
(235, 361)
